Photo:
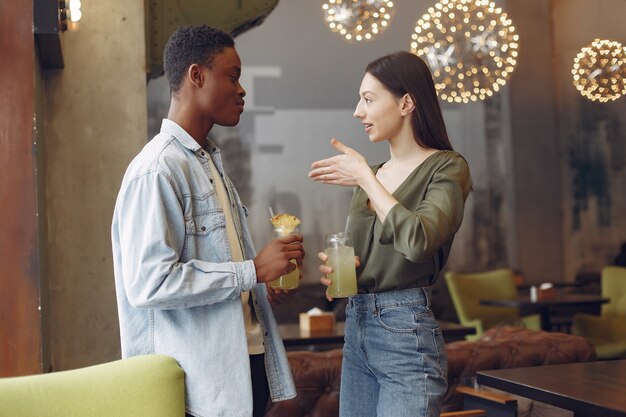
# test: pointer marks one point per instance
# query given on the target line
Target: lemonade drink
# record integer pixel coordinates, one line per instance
(343, 277)
(338, 247)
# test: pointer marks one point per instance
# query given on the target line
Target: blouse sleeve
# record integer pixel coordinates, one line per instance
(420, 233)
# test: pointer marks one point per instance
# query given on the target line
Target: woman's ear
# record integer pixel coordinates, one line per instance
(406, 104)
(194, 73)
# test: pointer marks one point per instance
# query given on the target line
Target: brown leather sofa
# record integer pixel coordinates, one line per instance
(317, 374)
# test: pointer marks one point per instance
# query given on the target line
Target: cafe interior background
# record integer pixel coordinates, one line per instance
(548, 165)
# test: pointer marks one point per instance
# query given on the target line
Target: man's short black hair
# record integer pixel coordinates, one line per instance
(192, 45)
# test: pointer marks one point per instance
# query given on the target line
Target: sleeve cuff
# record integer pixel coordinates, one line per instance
(246, 275)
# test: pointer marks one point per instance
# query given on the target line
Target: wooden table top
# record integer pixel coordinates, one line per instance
(571, 302)
(293, 335)
(588, 388)
(560, 299)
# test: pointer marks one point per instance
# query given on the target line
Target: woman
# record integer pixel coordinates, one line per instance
(403, 217)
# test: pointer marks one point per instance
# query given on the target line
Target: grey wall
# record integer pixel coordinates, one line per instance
(527, 211)
(535, 151)
(302, 82)
(592, 140)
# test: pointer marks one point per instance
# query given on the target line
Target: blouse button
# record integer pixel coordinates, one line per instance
(203, 228)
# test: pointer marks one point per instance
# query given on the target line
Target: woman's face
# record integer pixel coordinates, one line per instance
(378, 109)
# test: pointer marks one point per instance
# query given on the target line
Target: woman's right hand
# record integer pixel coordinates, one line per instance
(325, 269)
(347, 169)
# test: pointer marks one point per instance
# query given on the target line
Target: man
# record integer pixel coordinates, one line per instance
(186, 273)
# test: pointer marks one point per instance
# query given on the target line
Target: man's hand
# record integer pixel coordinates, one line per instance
(277, 295)
(274, 259)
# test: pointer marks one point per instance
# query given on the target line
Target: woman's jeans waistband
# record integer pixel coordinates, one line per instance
(376, 301)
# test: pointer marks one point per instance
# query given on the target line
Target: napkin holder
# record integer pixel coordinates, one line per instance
(546, 292)
(315, 322)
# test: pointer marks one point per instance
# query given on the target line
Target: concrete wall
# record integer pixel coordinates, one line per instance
(592, 139)
(95, 122)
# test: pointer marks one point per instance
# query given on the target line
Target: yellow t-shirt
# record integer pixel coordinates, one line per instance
(254, 335)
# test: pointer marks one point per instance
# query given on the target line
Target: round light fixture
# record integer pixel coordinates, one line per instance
(358, 20)
(599, 70)
(471, 48)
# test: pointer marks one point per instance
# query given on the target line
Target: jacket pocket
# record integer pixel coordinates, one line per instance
(205, 230)
(204, 224)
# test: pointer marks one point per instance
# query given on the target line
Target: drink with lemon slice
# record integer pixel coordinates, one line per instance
(284, 225)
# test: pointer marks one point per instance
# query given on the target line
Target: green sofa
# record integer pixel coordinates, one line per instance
(146, 386)
(466, 291)
(608, 331)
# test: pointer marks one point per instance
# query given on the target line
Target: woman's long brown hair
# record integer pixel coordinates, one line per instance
(405, 73)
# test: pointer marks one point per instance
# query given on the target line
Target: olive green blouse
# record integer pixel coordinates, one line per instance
(411, 247)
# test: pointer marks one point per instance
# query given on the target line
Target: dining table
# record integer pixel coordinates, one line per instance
(295, 336)
(589, 389)
(569, 303)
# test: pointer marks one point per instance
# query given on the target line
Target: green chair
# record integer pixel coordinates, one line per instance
(150, 385)
(466, 291)
(608, 331)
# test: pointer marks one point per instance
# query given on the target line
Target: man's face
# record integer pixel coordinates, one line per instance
(222, 95)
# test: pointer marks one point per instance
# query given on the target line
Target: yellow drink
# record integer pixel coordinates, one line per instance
(343, 277)
(292, 279)
(289, 281)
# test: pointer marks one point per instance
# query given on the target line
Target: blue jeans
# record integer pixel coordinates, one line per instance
(394, 362)
(260, 386)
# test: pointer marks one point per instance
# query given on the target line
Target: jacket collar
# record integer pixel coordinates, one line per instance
(185, 138)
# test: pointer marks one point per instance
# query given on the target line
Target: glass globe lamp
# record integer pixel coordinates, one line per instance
(358, 20)
(599, 70)
(470, 46)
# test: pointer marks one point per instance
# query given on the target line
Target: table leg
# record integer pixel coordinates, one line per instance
(546, 324)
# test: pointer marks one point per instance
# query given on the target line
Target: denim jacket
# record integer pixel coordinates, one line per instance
(178, 291)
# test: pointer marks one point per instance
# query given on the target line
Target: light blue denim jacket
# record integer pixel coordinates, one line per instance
(178, 291)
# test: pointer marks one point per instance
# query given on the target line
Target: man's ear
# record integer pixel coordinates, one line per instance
(407, 105)
(195, 75)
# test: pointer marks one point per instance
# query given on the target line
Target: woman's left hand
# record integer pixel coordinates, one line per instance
(347, 169)
(325, 269)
